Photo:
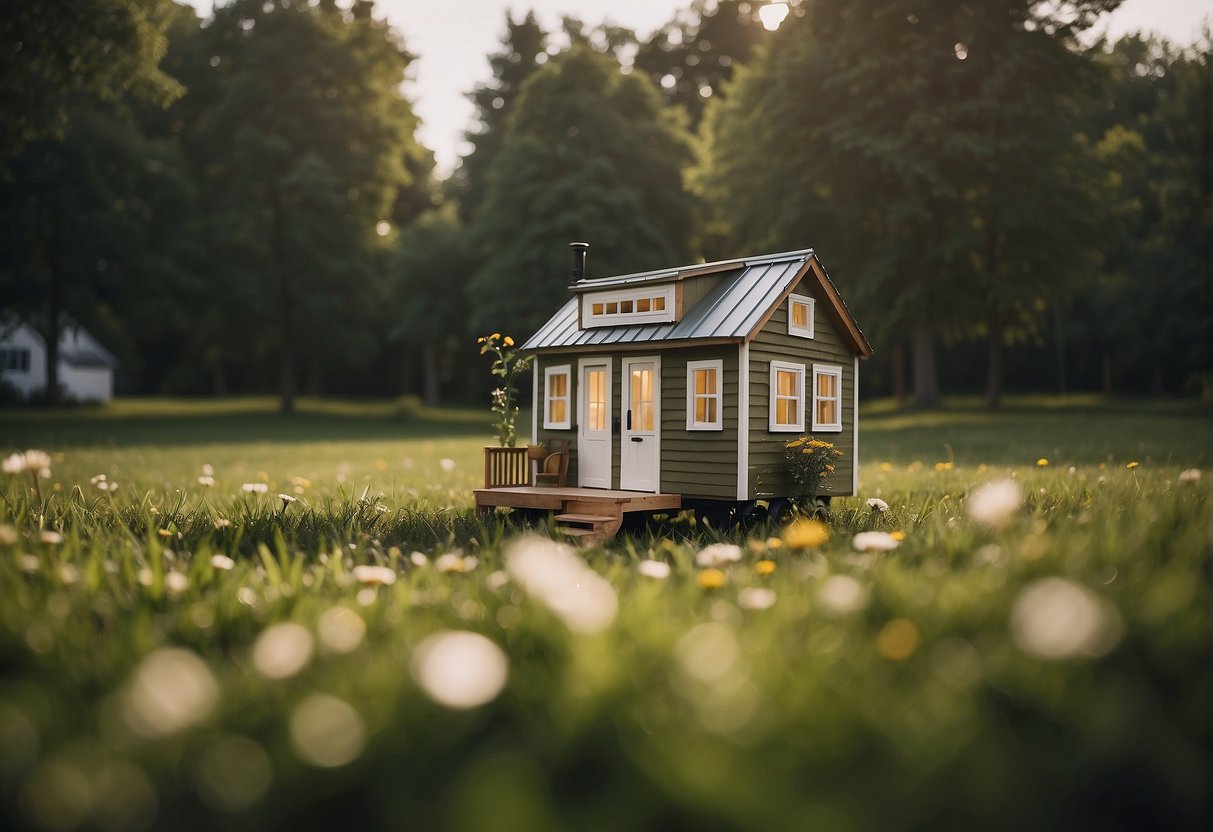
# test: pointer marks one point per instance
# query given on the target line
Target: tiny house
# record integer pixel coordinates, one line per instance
(691, 380)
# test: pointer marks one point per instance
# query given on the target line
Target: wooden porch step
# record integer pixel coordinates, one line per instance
(586, 519)
(574, 531)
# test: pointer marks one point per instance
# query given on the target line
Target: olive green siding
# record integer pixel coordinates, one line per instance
(767, 473)
(698, 463)
(569, 436)
(695, 289)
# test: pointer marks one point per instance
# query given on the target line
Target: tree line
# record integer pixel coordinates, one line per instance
(241, 204)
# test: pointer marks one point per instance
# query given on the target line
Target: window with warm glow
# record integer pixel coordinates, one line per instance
(596, 399)
(645, 305)
(705, 396)
(787, 397)
(800, 316)
(556, 411)
(827, 398)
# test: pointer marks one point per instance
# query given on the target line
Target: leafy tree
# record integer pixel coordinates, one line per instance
(304, 144)
(57, 51)
(523, 51)
(865, 128)
(589, 154)
(693, 56)
(427, 285)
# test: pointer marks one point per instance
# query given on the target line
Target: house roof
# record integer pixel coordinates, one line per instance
(735, 310)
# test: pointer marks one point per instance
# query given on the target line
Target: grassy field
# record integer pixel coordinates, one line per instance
(181, 655)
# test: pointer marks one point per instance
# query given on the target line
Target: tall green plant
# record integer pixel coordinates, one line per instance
(507, 366)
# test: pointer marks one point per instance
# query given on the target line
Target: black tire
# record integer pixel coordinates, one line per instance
(753, 514)
(718, 516)
(781, 510)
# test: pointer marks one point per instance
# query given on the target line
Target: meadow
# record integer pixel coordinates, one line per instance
(265, 622)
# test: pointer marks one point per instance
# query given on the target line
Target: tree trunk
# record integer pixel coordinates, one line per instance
(429, 362)
(994, 361)
(1059, 339)
(899, 374)
(926, 377)
(286, 313)
(1107, 372)
(50, 333)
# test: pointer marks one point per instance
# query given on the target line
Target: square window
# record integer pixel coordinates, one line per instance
(800, 316)
(705, 385)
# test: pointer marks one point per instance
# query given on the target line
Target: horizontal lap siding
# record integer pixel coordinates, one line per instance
(698, 463)
(768, 475)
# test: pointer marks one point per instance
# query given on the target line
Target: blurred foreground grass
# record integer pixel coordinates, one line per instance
(181, 656)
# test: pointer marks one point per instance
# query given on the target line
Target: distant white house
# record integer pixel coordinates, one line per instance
(86, 369)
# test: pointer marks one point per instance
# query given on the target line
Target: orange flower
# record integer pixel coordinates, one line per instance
(806, 534)
(712, 579)
(765, 567)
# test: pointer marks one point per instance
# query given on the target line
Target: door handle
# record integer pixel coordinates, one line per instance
(637, 438)
(629, 420)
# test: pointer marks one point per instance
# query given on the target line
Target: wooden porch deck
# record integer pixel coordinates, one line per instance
(590, 514)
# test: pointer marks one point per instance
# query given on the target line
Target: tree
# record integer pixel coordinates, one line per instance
(523, 51)
(694, 55)
(57, 52)
(304, 142)
(589, 154)
(865, 125)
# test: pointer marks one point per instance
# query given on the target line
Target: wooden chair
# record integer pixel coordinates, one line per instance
(555, 467)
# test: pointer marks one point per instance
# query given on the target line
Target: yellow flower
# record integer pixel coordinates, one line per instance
(795, 443)
(764, 567)
(712, 579)
(1132, 465)
(898, 639)
(886, 466)
(494, 336)
(1042, 462)
(898, 535)
(480, 340)
(509, 342)
(806, 534)
(829, 469)
(774, 542)
(943, 466)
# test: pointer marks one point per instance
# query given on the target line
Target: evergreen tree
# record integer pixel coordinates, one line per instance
(589, 154)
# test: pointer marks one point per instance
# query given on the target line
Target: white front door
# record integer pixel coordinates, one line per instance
(594, 423)
(640, 454)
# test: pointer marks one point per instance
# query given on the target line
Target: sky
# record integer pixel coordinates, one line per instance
(453, 39)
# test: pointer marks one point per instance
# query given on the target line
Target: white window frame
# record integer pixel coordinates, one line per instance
(565, 370)
(799, 369)
(589, 319)
(718, 366)
(801, 331)
(836, 372)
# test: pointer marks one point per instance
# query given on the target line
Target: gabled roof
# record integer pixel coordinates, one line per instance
(735, 310)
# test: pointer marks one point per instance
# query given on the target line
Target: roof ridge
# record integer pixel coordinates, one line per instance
(749, 260)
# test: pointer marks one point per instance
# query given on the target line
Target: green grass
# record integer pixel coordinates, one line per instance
(904, 690)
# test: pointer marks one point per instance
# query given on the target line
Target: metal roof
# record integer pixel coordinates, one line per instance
(732, 310)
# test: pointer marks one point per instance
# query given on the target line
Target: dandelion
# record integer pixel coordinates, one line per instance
(711, 579)
(886, 467)
(877, 505)
(1132, 465)
(842, 594)
(418, 558)
(553, 573)
(765, 567)
(455, 562)
(496, 581)
(756, 598)
(207, 470)
(326, 731)
(282, 650)
(222, 522)
(206, 481)
(460, 669)
(995, 503)
(176, 582)
(718, 554)
(1042, 463)
(657, 569)
(806, 534)
(222, 563)
(875, 542)
(49, 536)
(287, 499)
(8, 535)
(374, 575)
(254, 488)
(446, 464)
(13, 464)
(508, 341)
(1189, 476)
(169, 691)
(898, 640)
(1055, 618)
(898, 535)
(340, 629)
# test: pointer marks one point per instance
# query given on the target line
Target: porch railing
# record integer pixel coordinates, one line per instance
(504, 467)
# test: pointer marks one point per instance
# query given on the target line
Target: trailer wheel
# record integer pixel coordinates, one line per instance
(753, 513)
(718, 516)
(781, 510)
